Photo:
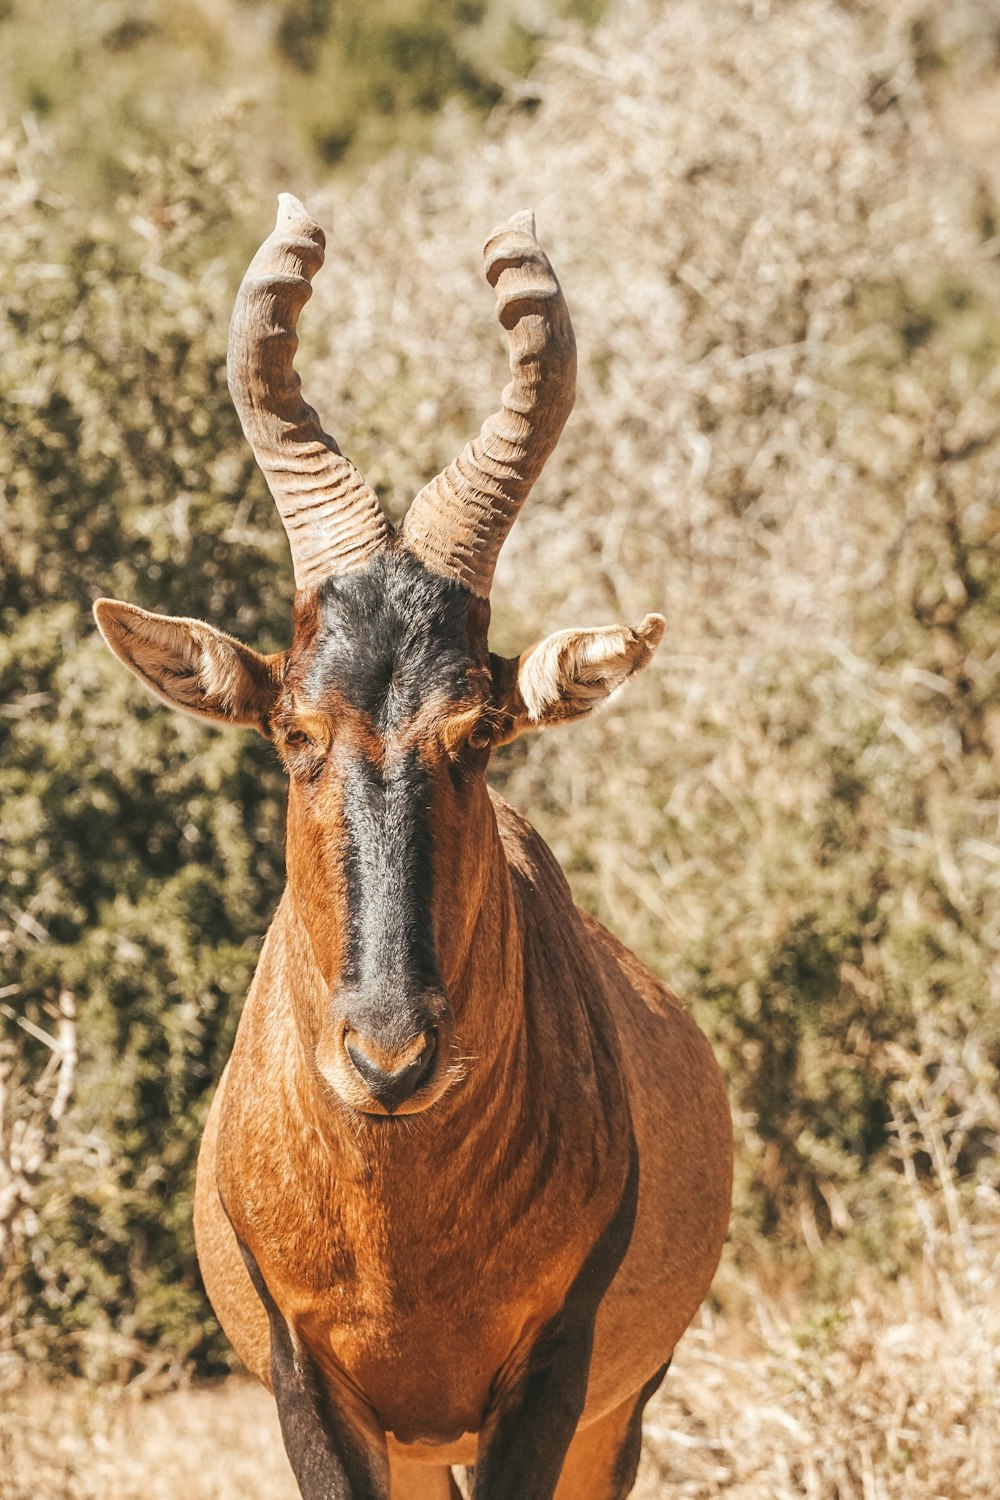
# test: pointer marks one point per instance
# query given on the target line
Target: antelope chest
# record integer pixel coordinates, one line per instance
(427, 1326)
(429, 1373)
(426, 1314)
(422, 1299)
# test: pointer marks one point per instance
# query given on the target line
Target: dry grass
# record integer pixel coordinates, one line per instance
(894, 1395)
(898, 1398)
(78, 1442)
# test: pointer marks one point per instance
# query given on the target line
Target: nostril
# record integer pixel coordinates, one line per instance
(389, 1084)
(430, 1044)
(425, 1056)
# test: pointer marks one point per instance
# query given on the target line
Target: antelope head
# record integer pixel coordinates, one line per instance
(388, 702)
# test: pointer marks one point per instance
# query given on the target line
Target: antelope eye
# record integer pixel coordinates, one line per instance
(297, 739)
(479, 739)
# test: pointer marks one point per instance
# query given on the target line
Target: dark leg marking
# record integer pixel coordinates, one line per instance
(331, 1457)
(627, 1462)
(523, 1445)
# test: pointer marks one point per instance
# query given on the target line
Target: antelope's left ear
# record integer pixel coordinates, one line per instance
(571, 673)
(192, 666)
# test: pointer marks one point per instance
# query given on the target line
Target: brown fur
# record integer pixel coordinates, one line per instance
(423, 1323)
(192, 666)
(416, 1261)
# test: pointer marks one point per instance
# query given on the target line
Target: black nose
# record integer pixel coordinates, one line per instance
(392, 1079)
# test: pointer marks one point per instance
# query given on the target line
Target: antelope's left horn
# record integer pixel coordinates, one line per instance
(458, 522)
(333, 518)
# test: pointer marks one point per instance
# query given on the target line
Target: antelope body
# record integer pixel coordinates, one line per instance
(466, 1177)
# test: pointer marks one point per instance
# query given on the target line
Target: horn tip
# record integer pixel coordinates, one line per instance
(293, 215)
(523, 222)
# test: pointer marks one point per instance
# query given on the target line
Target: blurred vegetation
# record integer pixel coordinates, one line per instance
(322, 82)
(140, 858)
(799, 826)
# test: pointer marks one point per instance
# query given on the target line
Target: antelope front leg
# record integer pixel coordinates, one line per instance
(527, 1434)
(524, 1443)
(335, 1448)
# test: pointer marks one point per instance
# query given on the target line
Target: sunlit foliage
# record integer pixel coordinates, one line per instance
(320, 82)
(786, 438)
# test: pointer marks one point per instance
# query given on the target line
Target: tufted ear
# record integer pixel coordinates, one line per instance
(571, 673)
(192, 666)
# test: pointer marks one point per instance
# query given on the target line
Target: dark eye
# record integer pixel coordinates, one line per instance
(479, 739)
(297, 739)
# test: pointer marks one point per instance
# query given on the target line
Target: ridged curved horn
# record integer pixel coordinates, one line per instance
(333, 519)
(458, 522)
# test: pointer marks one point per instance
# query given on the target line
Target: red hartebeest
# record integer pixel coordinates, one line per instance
(467, 1174)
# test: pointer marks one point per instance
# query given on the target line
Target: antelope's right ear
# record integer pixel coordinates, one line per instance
(192, 666)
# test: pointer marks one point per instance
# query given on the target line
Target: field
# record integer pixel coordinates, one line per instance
(896, 1398)
(778, 229)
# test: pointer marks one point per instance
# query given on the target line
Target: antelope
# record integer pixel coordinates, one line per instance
(466, 1177)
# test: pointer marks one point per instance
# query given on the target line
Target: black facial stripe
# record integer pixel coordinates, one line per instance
(391, 635)
(391, 959)
(387, 640)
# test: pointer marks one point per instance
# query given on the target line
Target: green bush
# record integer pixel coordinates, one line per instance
(324, 82)
(141, 852)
